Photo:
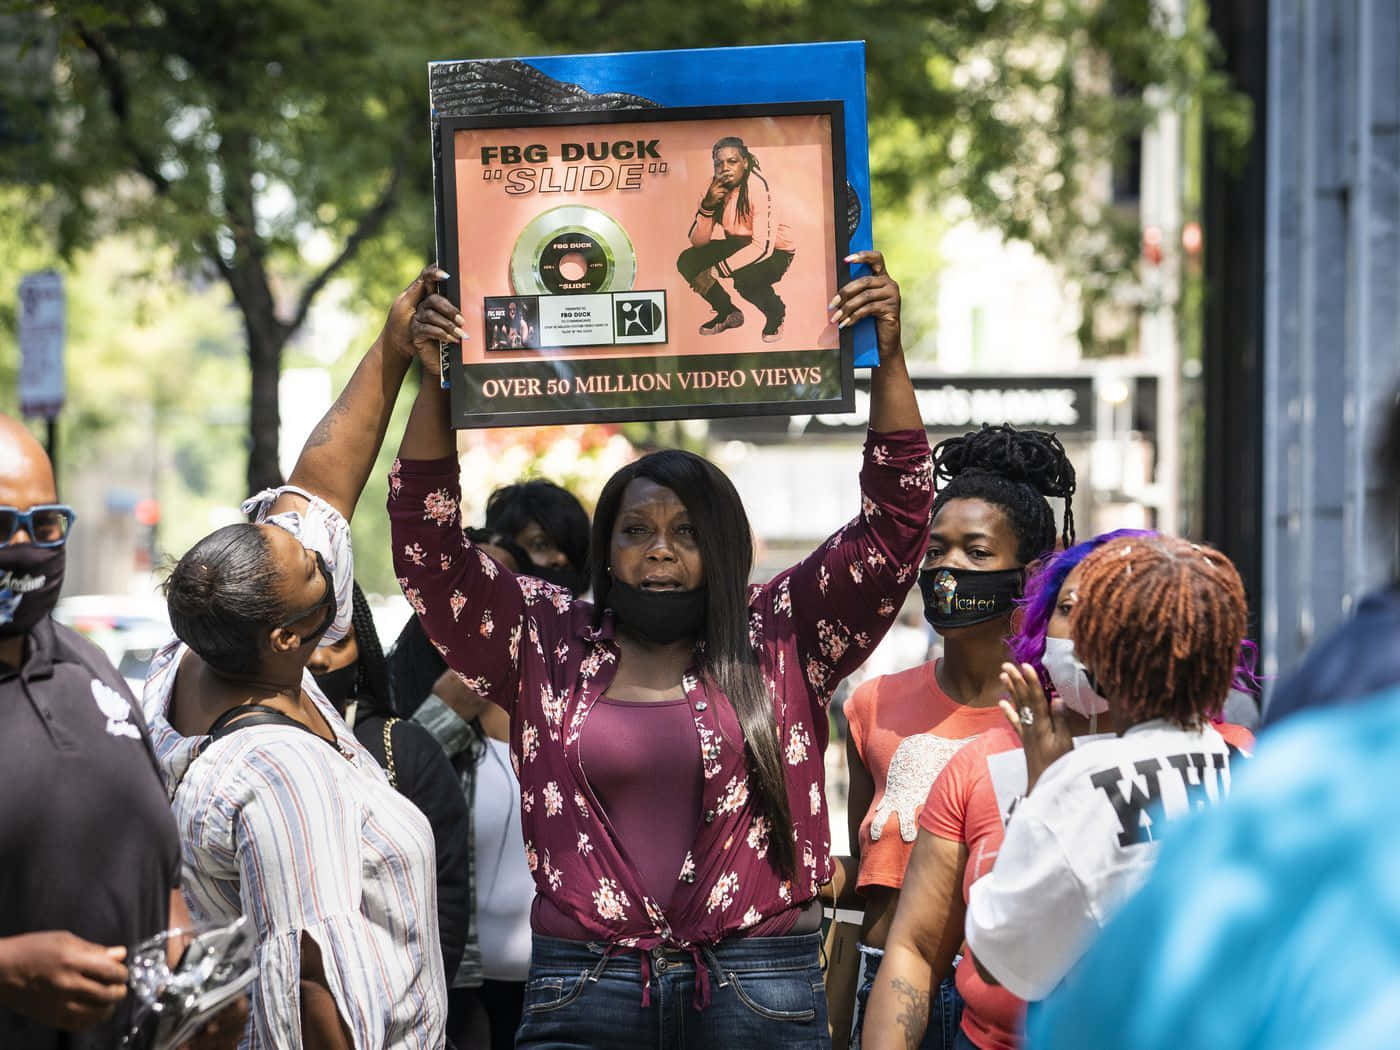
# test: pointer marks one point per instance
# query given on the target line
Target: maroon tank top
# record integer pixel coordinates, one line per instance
(642, 760)
(642, 763)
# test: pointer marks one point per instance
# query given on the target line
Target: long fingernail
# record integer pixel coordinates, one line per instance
(835, 318)
(459, 320)
(461, 334)
(849, 258)
(844, 324)
(834, 300)
(443, 275)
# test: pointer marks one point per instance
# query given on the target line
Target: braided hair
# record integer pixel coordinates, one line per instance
(1159, 624)
(1014, 470)
(742, 208)
(372, 677)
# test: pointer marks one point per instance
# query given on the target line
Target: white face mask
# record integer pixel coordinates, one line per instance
(323, 529)
(1070, 680)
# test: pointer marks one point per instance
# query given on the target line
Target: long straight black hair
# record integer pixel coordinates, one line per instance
(728, 659)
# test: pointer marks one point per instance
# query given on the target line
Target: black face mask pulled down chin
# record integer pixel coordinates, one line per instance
(659, 617)
(956, 598)
(30, 579)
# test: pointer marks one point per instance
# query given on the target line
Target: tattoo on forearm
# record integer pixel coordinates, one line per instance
(913, 1012)
(322, 434)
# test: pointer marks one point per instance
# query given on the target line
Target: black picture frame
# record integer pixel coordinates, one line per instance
(465, 415)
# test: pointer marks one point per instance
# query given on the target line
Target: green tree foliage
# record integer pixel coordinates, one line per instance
(278, 143)
(269, 142)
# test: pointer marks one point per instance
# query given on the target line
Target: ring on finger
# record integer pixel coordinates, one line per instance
(1027, 716)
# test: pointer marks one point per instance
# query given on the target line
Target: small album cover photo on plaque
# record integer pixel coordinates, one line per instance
(653, 264)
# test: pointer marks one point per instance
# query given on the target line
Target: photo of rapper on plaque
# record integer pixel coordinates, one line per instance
(512, 324)
(738, 236)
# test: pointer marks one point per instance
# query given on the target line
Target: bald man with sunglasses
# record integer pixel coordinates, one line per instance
(89, 853)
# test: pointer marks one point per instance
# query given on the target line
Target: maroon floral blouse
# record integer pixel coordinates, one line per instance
(531, 648)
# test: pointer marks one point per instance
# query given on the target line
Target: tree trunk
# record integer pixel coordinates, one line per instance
(266, 337)
(246, 273)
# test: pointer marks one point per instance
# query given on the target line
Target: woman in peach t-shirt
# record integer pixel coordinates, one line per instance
(990, 520)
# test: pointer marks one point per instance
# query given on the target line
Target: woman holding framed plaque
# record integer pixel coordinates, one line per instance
(669, 736)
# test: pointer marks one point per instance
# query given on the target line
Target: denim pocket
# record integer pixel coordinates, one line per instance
(543, 994)
(779, 996)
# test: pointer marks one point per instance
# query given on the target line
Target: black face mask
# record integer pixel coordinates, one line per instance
(30, 579)
(327, 602)
(660, 617)
(340, 685)
(565, 576)
(962, 597)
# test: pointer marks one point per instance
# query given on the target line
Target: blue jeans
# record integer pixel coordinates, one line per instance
(944, 1013)
(764, 992)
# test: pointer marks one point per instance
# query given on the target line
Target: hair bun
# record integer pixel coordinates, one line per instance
(1031, 456)
(191, 586)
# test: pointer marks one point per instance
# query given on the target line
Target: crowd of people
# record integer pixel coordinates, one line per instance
(581, 801)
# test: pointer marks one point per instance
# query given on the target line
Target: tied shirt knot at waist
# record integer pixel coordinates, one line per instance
(660, 960)
(663, 959)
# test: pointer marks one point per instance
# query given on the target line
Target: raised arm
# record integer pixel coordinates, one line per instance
(892, 403)
(925, 935)
(843, 597)
(429, 433)
(338, 456)
(472, 608)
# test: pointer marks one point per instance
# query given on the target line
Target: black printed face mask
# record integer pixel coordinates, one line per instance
(956, 598)
(30, 579)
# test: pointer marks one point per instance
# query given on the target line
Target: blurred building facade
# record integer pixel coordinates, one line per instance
(1303, 337)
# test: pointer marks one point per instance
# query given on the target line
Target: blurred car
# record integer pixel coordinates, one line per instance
(129, 629)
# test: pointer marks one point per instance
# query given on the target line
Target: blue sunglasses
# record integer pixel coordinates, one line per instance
(47, 525)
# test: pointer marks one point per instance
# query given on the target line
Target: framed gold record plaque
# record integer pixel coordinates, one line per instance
(652, 263)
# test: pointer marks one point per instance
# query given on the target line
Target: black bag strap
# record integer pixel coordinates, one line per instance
(236, 718)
